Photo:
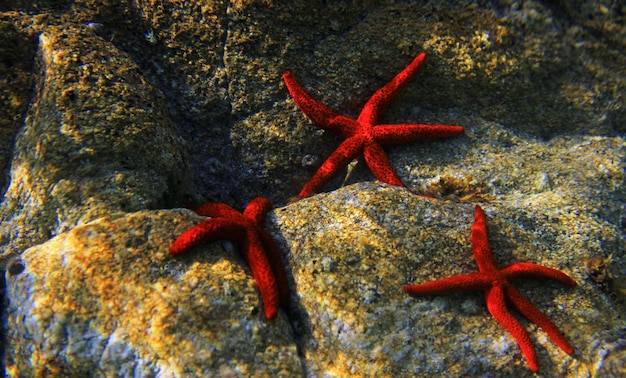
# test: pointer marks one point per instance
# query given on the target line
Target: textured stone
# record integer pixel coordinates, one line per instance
(107, 299)
(523, 65)
(352, 251)
(539, 87)
(17, 53)
(97, 140)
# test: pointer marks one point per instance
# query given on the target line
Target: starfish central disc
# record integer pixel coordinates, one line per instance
(259, 248)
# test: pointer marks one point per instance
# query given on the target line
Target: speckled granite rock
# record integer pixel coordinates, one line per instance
(107, 299)
(525, 65)
(90, 294)
(97, 140)
(16, 65)
(538, 67)
(538, 85)
(352, 251)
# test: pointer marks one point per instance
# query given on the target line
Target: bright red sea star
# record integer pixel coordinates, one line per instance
(364, 135)
(259, 249)
(498, 290)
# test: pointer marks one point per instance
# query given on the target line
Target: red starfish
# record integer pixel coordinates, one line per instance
(363, 135)
(259, 249)
(496, 284)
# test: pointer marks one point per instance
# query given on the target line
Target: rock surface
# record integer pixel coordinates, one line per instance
(96, 141)
(106, 298)
(110, 108)
(352, 251)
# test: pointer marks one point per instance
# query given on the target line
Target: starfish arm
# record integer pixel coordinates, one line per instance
(466, 282)
(257, 209)
(262, 272)
(377, 161)
(209, 229)
(497, 307)
(378, 103)
(339, 159)
(217, 209)
(319, 113)
(404, 133)
(480, 243)
(276, 261)
(523, 269)
(526, 308)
